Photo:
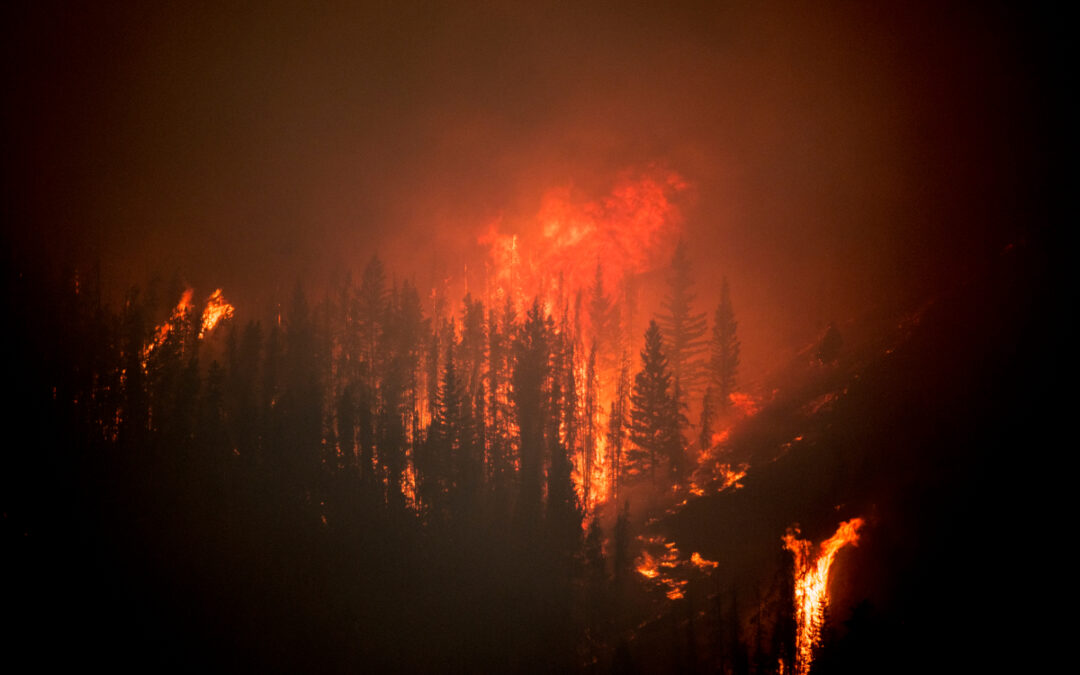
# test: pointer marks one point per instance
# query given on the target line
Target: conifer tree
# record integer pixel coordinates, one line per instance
(372, 301)
(655, 419)
(443, 466)
(531, 372)
(723, 365)
(501, 334)
(683, 330)
(617, 427)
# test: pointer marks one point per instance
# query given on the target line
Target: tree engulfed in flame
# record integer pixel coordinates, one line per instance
(811, 586)
(559, 256)
(217, 310)
(161, 333)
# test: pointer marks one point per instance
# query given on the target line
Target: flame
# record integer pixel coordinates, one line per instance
(703, 564)
(811, 586)
(217, 309)
(626, 231)
(746, 404)
(647, 566)
(730, 476)
(665, 568)
(161, 333)
(554, 255)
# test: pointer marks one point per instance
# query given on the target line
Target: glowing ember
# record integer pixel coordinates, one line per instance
(217, 309)
(811, 587)
(746, 404)
(666, 570)
(647, 566)
(703, 564)
(730, 476)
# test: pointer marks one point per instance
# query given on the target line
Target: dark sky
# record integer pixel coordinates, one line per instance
(839, 154)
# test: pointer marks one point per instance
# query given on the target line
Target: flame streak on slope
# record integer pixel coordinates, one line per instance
(161, 333)
(666, 569)
(747, 404)
(811, 587)
(217, 309)
(721, 475)
(703, 564)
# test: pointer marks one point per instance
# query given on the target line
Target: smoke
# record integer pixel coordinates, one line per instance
(838, 155)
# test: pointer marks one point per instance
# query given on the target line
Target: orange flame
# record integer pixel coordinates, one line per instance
(746, 404)
(217, 310)
(625, 231)
(161, 333)
(703, 564)
(665, 568)
(555, 256)
(648, 566)
(811, 587)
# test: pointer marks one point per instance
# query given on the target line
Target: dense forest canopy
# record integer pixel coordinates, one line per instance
(672, 338)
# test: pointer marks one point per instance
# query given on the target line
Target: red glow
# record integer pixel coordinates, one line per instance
(630, 231)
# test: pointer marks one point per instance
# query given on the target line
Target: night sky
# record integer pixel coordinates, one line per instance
(838, 156)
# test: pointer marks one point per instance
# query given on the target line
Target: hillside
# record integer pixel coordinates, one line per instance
(926, 428)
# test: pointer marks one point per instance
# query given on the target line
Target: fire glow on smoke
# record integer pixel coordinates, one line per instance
(559, 256)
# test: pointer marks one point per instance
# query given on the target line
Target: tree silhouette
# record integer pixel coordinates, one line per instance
(530, 391)
(655, 419)
(683, 331)
(723, 364)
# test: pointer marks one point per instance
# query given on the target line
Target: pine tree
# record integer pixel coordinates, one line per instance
(501, 335)
(532, 366)
(655, 419)
(723, 365)
(372, 302)
(617, 427)
(622, 561)
(684, 331)
(604, 320)
(444, 466)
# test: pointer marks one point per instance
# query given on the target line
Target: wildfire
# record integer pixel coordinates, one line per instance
(217, 309)
(703, 564)
(648, 566)
(666, 570)
(555, 257)
(624, 231)
(721, 475)
(811, 586)
(746, 404)
(161, 333)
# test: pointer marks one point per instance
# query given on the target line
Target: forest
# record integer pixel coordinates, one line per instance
(355, 474)
(354, 484)
(684, 337)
